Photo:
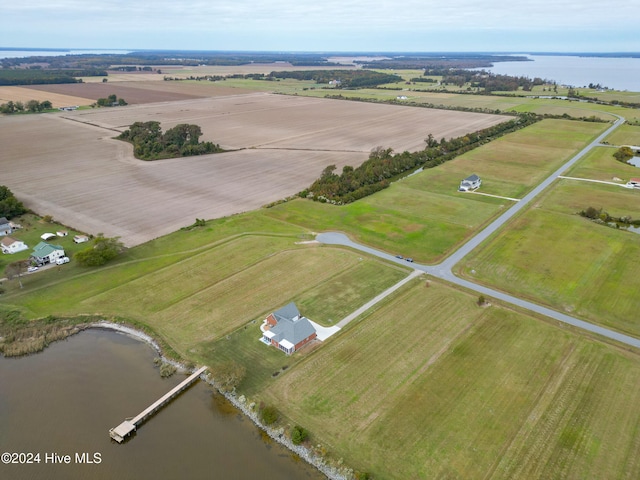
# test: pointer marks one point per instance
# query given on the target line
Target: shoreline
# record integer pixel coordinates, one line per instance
(239, 402)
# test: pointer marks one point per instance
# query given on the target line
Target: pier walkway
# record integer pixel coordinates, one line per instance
(126, 428)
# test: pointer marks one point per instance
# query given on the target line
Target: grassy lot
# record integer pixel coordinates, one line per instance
(625, 135)
(553, 256)
(433, 386)
(364, 280)
(199, 294)
(424, 217)
(599, 164)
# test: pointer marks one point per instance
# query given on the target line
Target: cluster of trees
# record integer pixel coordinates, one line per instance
(600, 216)
(10, 206)
(149, 143)
(347, 78)
(36, 76)
(623, 154)
(110, 101)
(102, 250)
(382, 165)
(32, 106)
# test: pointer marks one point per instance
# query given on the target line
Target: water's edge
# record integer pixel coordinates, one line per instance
(240, 402)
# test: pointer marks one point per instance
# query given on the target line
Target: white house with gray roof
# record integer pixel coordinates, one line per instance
(287, 330)
(470, 183)
(5, 226)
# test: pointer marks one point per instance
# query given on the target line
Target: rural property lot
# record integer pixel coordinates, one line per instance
(67, 165)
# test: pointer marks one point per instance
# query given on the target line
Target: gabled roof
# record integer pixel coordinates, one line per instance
(292, 331)
(4, 221)
(6, 241)
(289, 311)
(43, 249)
(472, 178)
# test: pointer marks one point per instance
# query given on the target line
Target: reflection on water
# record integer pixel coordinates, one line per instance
(64, 400)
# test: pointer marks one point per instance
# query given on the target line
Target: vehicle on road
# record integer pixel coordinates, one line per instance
(410, 260)
(399, 256)
(32, 269)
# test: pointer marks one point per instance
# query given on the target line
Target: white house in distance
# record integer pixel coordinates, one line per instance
(44, 253)
(5, 226)
(287, 330)
(11, 245)
(470, 183)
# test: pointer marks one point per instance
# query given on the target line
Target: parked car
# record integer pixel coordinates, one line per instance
(62, 260)
(399, 256)
(409, 260)
(32, 269)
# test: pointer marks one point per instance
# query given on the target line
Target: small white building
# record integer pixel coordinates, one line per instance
(80, 238)
(11, 245)
(470, 183)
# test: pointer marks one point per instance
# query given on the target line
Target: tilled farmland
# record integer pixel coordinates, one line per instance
(68, 165)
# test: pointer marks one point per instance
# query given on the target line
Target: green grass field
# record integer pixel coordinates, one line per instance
(424, 216)
(433, 386)
(599, 164)
(625, 135)
(553, 256)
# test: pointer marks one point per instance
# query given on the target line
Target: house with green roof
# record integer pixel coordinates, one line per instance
(44, 253)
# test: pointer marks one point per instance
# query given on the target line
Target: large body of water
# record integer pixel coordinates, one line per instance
(616, 73)
(55, 53)
(64, 401)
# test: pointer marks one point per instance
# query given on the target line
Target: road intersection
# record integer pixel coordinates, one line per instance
(444, 271)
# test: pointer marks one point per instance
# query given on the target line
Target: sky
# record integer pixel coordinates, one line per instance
(324, 25)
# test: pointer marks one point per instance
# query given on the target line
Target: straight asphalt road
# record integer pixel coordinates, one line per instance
(443, 270)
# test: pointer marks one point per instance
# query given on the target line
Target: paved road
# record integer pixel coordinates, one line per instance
(443, 270)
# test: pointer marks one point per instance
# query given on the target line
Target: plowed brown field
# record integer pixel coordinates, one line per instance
(67, 164)
(94, 91)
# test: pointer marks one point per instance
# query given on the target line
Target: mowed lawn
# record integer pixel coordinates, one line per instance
(424, 216)
(599, 164)
(553, 256)
(433, 386)
(625, 135)
(353, 280)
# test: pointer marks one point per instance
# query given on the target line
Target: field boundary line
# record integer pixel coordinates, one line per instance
(495, 196)
(591, 180)
(349, 318)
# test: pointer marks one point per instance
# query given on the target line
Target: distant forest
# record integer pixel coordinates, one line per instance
(33, 76)
(344, 78)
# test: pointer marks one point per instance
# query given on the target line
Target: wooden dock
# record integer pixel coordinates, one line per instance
(126, 428)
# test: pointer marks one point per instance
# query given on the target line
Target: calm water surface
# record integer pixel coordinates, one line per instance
(65, 399)
(617, 73)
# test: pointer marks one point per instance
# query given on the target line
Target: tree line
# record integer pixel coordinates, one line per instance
(32, 106)
(343, 78)
(150, 143)
(35, 76)
(383, 165)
